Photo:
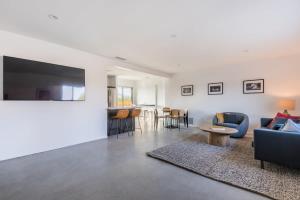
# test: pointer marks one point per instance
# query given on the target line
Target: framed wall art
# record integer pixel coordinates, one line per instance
(215, 88)
(187, 90)
(254, 86)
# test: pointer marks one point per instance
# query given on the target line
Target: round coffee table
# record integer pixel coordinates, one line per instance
(218, 135)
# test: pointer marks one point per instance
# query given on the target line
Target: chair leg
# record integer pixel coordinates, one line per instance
(187, 121)
(133, 123)
(118, 127)
(262, 164)
(126, 126)
(110, 126)
(140, 125)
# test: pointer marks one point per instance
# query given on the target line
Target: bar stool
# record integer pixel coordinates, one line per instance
(121, 115)
(136, 114)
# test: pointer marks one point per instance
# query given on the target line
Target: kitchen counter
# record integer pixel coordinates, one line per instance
(121, 108)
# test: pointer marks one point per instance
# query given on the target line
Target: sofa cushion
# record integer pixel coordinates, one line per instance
(230, 118)
(278, 127)
(229, 125)
(239, 119)
(291, 126)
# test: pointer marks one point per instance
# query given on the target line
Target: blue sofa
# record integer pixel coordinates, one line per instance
(276, 146)
(235, 120)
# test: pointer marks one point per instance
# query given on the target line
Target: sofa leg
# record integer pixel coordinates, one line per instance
(262, 164)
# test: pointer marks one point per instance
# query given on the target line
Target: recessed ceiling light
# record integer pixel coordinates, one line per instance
(52, 17)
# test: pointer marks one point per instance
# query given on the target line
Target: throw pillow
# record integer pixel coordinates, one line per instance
(277, 121)
(282, 115)
(220, 117)
(291, 126)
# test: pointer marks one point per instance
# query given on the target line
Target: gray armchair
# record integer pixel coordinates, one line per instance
(235, 120)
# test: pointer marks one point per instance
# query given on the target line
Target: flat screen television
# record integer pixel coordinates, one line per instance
(32, 80)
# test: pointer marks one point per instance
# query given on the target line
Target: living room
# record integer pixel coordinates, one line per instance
(213, 110)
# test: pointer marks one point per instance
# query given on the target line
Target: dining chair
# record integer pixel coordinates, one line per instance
(184, 117)
(157, 117)
(175, 117)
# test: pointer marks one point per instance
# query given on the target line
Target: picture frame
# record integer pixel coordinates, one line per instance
(254, 86)
(187, 90)
(215, 88)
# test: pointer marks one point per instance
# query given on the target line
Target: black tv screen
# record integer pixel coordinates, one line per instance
(32, 80)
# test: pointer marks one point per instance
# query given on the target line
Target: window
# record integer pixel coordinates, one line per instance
(125, 96)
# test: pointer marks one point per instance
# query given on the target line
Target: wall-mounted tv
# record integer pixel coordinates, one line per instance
(32, 80)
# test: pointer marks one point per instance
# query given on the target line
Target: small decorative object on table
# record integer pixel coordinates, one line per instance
(187, 90)
(215, 88)
(253, 86)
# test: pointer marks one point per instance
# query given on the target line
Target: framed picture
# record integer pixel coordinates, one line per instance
(253, 86)
(187, 90)
(215, 88)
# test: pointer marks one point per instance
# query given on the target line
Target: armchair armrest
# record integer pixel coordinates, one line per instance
(215, 120)
(264, 122)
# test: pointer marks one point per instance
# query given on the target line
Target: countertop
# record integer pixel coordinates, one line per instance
(119, 108)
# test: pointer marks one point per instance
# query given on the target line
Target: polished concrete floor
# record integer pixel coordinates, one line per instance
(110, 169)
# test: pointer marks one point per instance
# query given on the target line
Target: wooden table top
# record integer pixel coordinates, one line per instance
(218, 129)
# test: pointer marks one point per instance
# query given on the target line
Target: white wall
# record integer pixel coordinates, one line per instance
(28, 127)
(282, 79)
(129, 83)
(146, 92)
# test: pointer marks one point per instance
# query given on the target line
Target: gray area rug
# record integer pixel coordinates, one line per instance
(234, 165)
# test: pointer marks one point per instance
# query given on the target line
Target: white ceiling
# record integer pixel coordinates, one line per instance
(128, 74)
(208, 32)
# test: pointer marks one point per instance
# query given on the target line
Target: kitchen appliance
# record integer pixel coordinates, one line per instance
(112, 96)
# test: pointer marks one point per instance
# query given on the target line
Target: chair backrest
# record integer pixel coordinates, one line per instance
(155, 112)
(175, 113)
(122, 114)
(166, 109)
(237, 117)
(183, 112)
(136, 112)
